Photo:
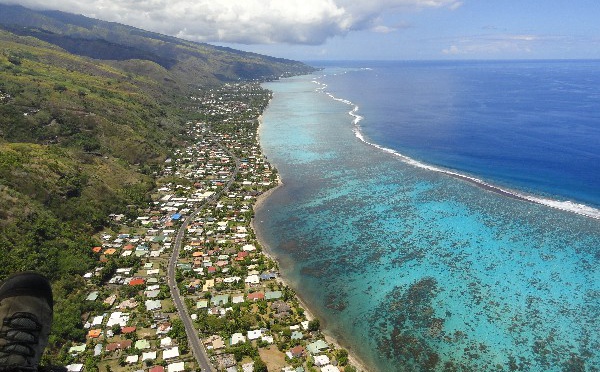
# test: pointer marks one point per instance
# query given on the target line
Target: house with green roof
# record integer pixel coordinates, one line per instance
(142, 344)
(274, 295)
(77, 349)
(221, 299)
(317, 347)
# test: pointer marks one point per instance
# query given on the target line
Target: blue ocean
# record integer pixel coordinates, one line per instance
(442, 216)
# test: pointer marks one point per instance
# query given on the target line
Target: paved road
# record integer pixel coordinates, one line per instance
(193, 338)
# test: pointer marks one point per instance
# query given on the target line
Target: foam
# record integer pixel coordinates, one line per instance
(563, 205)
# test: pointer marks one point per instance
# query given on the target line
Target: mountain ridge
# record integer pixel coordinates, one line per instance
(105, 40)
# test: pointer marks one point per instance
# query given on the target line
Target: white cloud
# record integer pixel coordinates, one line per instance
(492, 45)
(452, 50)
(524, 37)
(245, 21)
(455, 5)
(383, 29)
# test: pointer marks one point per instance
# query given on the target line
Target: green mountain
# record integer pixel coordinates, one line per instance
(187, 62)
(89, 110)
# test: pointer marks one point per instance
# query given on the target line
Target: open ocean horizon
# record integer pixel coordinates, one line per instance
(442, 215)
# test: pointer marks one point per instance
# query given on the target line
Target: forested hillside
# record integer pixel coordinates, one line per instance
(188, 63)
(89, 111)
(77, 140)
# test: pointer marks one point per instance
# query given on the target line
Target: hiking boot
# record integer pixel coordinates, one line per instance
(25, 320)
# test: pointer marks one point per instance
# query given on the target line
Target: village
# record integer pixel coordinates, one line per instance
(194, 242)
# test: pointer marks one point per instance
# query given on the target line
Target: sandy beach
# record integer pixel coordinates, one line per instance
(307, 311)
(259, 204)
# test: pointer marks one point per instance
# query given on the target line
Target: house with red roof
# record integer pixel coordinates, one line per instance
(298, 351)
(136, 281)
(126, 330)
(125, 344)
(255, 296)
(241, 256)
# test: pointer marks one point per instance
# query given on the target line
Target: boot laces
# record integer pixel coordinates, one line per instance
(21, 331)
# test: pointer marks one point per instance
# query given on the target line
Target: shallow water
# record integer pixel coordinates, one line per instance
(416, 270)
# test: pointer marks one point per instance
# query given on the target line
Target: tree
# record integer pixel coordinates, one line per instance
(314, 325)
(60, 87)
(15, 60)
(116, 329)
(177, 329)
(244, 349)
(91, 364)
(259, 365)
(342, 357)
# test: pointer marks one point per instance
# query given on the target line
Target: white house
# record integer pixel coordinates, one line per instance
(253, 335)
(75, 367)
(321, 360)
(252, 279)
(153, 305)
(249, 248)
(166, 342)
(117, 318)
(237, 338)
(98, 320)
(131, 359)
(171, 353)
(150, 355)
(176, 367)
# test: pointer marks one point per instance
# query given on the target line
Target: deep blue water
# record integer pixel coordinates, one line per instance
(411, 268)
(533, 126)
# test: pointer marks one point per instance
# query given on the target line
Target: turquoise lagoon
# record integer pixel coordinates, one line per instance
(416, 270)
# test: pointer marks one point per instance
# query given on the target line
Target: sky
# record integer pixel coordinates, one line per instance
(311, 30)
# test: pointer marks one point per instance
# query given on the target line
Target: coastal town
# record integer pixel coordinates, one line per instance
(182, 283)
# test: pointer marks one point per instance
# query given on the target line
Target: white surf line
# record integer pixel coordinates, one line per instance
(563, 205)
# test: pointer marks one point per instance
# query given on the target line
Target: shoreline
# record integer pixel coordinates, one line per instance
(266, 250)
(329, 338)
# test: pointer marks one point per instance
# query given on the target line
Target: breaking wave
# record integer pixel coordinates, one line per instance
(564, 205)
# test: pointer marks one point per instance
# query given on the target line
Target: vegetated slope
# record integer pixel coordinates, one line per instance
(88, 111)
(77, 140)
(189, 62)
